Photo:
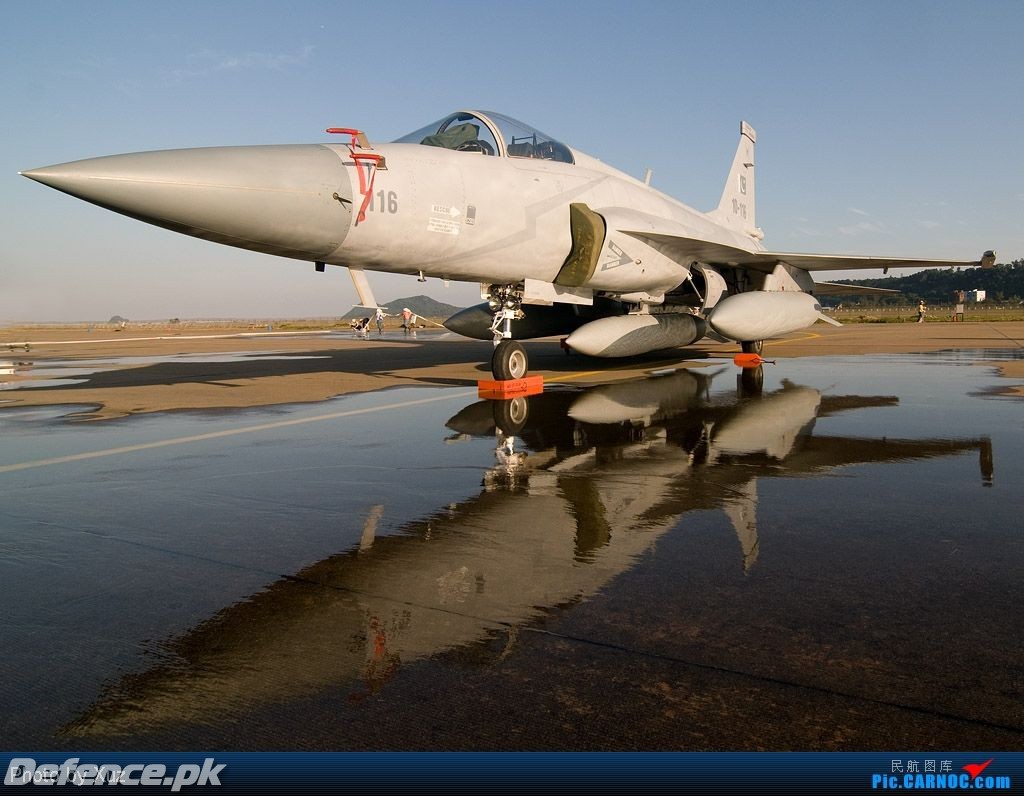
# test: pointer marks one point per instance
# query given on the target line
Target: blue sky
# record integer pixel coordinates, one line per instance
(883, 127)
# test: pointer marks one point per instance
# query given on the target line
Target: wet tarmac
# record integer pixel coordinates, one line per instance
(63, 372)
(823, 554)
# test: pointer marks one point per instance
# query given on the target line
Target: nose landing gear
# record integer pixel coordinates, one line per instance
(509, 360)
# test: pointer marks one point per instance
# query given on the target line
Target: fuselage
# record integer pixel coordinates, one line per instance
(442, 212)
(467, 216)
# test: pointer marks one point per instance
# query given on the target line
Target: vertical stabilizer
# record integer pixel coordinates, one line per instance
(736, 207)
(741, 509)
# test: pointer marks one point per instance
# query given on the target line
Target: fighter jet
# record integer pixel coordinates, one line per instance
(561, 243)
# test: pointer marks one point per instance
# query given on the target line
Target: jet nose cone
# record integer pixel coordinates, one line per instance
(293, 201)
(39, 175)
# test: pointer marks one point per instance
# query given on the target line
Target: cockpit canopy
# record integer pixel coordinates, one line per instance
(489, 133)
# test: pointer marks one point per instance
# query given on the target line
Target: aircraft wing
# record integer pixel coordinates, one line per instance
(683, 249)
(832, 262)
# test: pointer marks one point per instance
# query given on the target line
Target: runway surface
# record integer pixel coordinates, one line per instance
(328, 543)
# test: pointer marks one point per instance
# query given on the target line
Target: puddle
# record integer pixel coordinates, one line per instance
(823, 542)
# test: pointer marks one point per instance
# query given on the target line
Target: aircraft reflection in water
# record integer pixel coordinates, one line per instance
(605, 472)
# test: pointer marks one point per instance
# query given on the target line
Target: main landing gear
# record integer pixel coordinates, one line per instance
(752, 346)
(509, 359)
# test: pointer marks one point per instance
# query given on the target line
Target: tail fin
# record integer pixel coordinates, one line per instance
(736, 207)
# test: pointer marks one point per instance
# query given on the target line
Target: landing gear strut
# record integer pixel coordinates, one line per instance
(752, 346)
(509, 360)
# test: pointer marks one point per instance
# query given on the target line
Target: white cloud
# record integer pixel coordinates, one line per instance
(272, 61)
(858, 211)
(928, 224)
(869, 227)
(207, 62)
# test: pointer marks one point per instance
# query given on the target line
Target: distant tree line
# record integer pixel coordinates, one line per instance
(1003, 283)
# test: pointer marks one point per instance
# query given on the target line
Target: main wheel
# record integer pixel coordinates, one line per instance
(509, 361)
(752, 346)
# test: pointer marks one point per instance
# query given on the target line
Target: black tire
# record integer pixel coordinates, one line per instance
(511, 416)
(751, 382)
(509, 361)
(752, 346)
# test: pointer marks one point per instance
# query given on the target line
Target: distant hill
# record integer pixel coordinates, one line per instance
(420, 305)
(1002, 283)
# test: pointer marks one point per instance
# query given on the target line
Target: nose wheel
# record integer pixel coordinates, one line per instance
(509, 361)
(752, 346)
(509, 358)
